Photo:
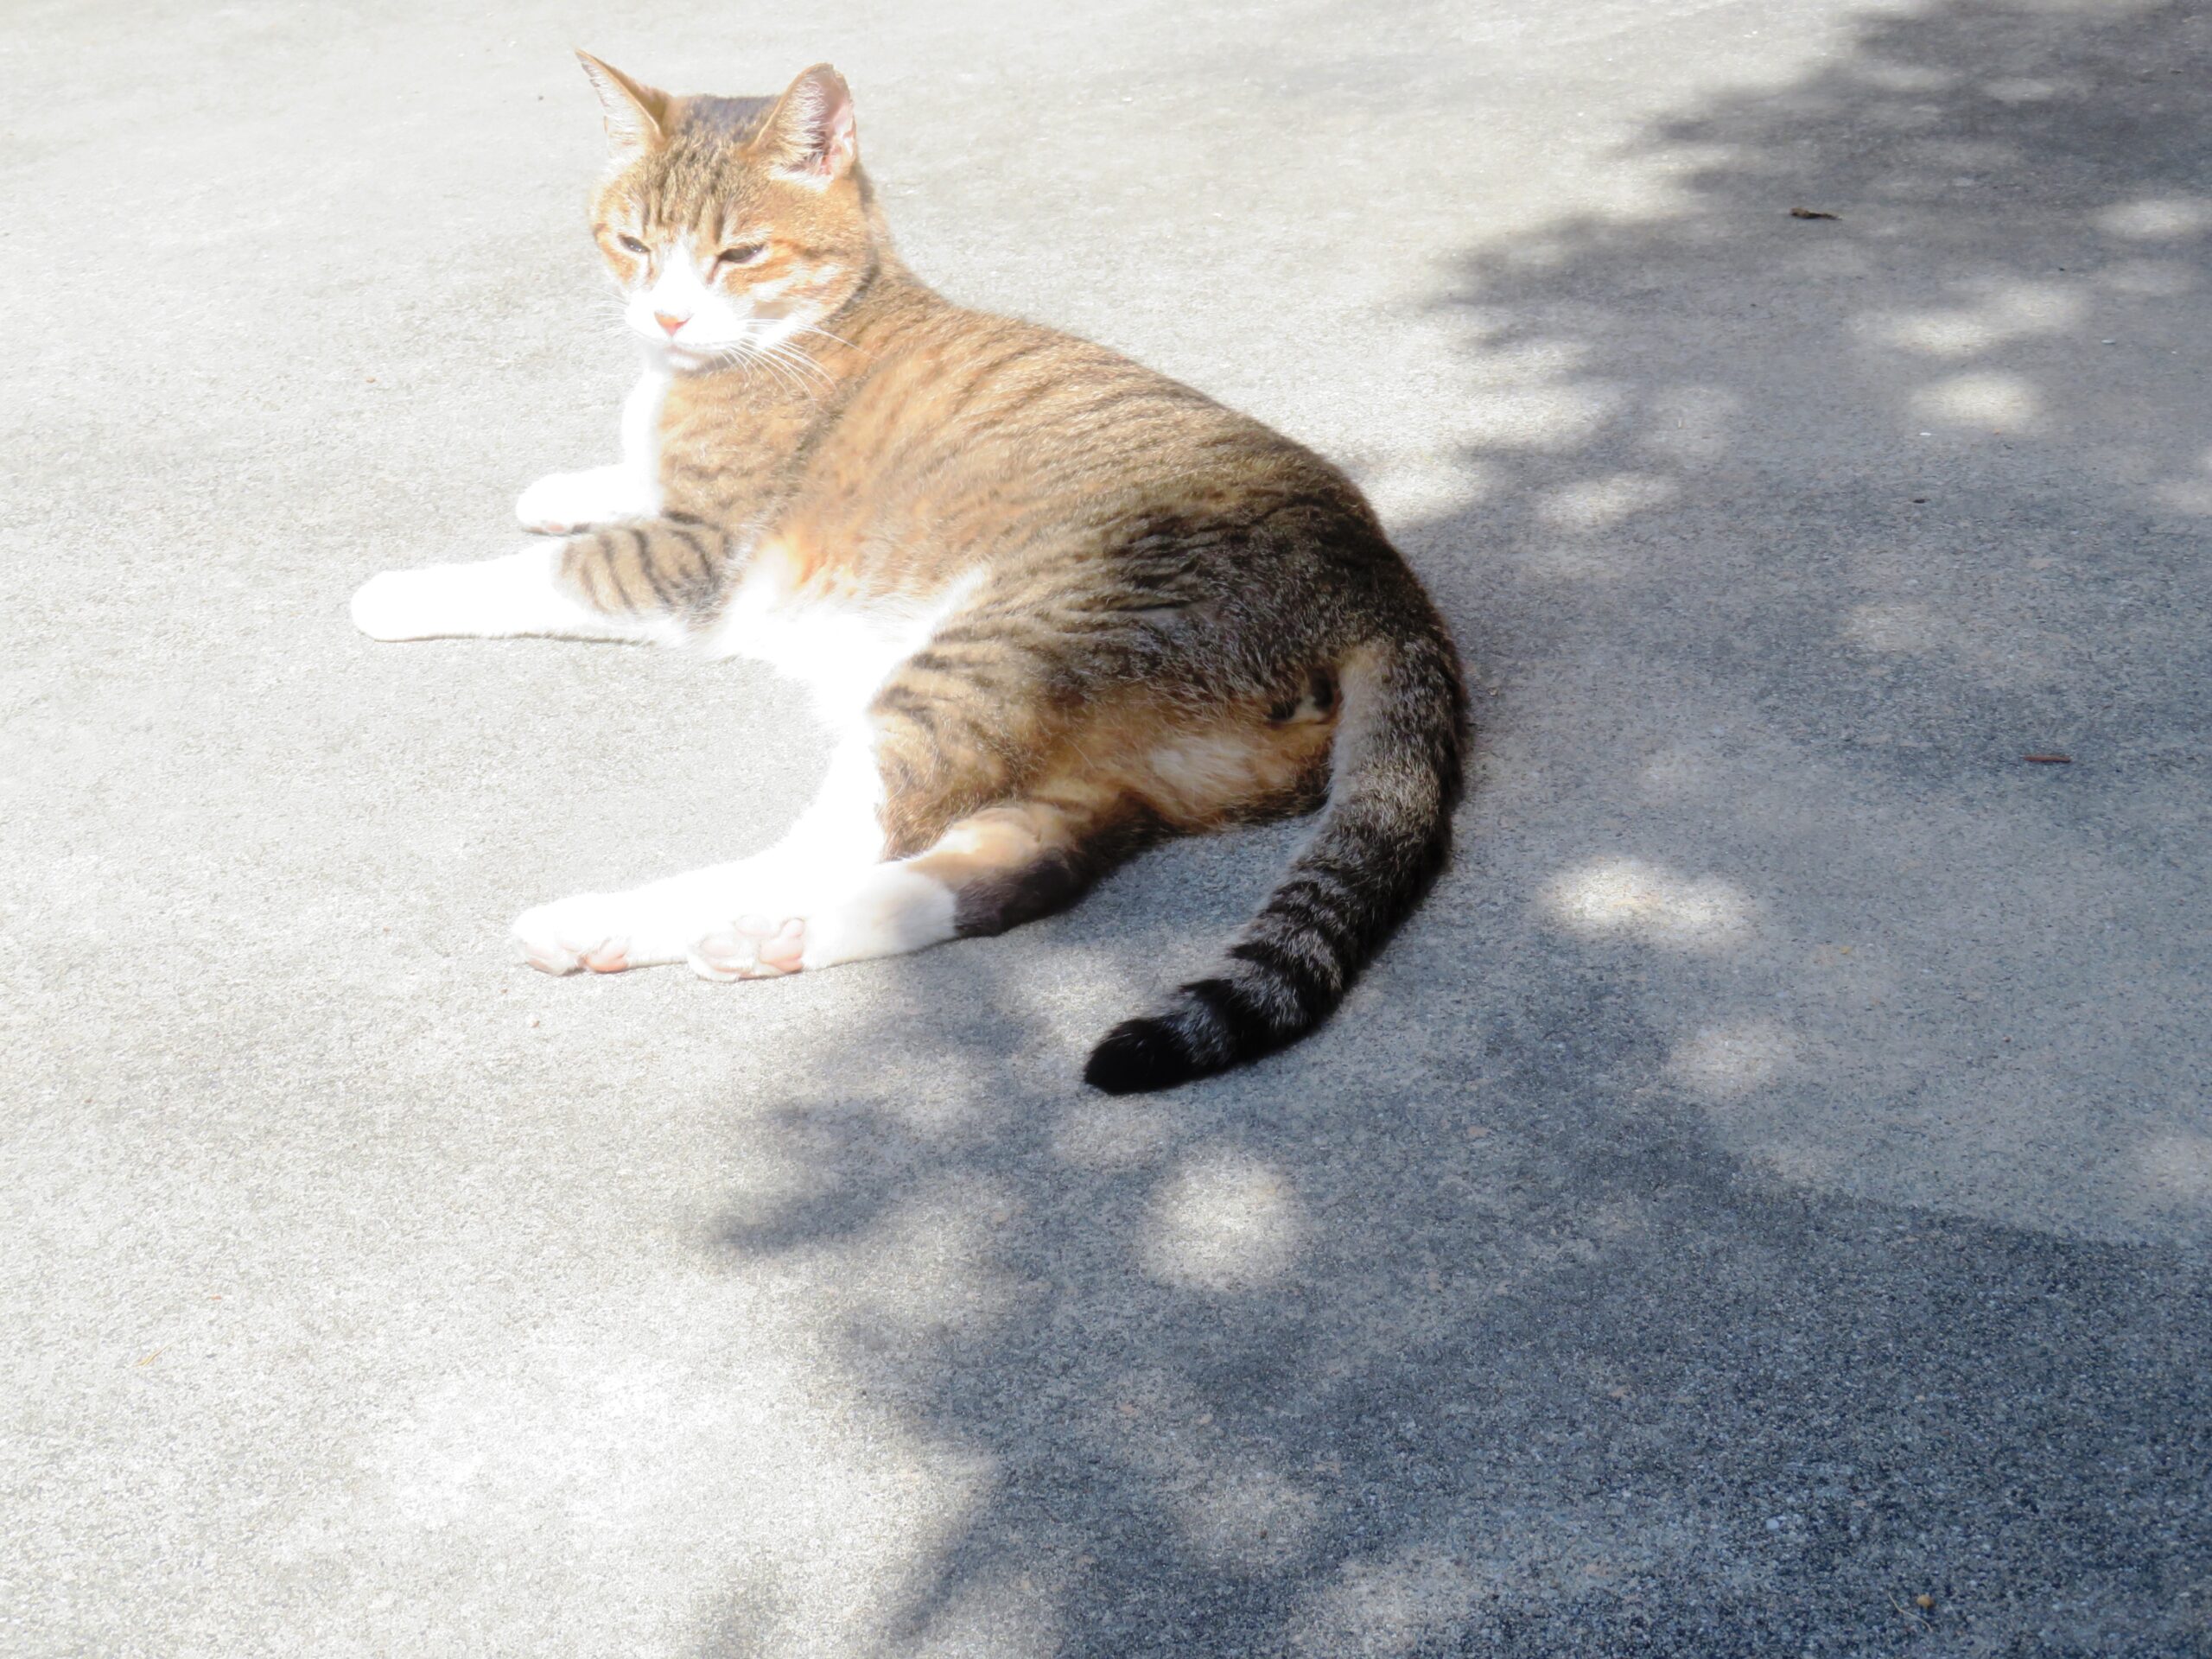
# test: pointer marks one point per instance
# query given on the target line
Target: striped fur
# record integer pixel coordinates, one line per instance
(1382, 836)
(660, 568)
(1062, 606)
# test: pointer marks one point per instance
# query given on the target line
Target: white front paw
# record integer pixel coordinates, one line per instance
(561, 502)
(397, 605)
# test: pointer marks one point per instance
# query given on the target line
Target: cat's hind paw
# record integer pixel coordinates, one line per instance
(586, 931)
(752, 947)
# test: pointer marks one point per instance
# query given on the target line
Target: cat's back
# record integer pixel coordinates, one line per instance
(959, 394)
(960, 442)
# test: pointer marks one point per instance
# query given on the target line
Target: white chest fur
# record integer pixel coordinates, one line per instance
(641, 433)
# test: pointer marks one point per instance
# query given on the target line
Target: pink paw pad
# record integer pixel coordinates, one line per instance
(547, 961)
(752, 947)
(554, 943)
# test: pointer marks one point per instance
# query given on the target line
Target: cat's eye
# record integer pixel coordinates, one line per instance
(633, 244)
(743, 254)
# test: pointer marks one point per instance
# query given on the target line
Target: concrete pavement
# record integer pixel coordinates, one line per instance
(1760, 1204)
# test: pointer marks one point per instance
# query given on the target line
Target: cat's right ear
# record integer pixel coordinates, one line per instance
(636, 113)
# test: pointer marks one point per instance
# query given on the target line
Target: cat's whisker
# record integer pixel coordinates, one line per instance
(810, 329)
(755, 353)
(800, 365)
(789, 346)
(732, 357)
(790, 366)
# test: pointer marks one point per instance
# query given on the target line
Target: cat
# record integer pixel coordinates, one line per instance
(1054, 606)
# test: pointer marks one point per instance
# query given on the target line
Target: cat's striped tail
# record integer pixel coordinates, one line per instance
(1382, 836)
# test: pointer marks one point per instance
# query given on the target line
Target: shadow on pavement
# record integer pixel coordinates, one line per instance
(1765, 1187)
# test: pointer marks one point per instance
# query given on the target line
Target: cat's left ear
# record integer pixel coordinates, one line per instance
(808, 139)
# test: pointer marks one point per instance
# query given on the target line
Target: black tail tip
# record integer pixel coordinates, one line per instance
(1138, 1056)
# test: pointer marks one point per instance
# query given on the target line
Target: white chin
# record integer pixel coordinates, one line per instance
(689, 357)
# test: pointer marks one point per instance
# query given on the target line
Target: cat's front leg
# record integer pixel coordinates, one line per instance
(656, 580)
(560, 503)
(525, 593)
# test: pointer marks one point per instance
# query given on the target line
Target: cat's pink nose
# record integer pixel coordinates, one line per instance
(669, 322)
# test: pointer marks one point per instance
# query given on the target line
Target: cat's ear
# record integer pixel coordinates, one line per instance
(808, 139)
(635, 112)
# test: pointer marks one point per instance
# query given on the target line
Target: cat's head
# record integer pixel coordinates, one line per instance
(733, 224)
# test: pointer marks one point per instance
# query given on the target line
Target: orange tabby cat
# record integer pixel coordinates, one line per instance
(1054, 605)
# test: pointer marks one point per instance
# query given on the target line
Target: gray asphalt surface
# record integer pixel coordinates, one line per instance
(1769, 1184)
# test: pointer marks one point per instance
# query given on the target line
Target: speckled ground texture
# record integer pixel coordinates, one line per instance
(1760, 1206)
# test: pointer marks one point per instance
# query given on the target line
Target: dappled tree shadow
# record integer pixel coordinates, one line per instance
(1584, 1327)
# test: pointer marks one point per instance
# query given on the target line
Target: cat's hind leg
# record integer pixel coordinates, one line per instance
(990, 871)
(841, 832)
(654, 581)
(825, 893)
(971, 839)
(926, 828)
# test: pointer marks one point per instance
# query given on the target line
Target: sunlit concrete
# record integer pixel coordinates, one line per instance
(1629, 896)
(1223, 1223)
